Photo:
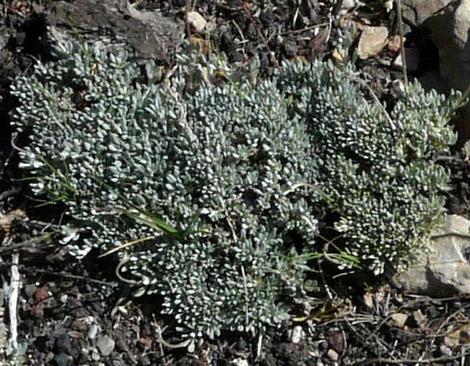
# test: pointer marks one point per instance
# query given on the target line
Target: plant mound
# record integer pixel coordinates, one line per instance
(376, 166)
(226, 169)
(212, 191)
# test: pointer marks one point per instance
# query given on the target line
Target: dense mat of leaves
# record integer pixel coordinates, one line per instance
(213, 191)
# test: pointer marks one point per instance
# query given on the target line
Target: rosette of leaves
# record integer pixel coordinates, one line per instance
(202, 192)
(376, 167)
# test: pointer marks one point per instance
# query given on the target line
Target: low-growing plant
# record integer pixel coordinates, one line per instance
(202, 192)
(376, 166)
(210, 189)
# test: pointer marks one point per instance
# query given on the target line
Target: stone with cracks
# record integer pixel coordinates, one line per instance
(445, 270)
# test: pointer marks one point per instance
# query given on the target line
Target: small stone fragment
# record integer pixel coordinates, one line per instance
(196, 21)
(399, 319)
(105, 345)
(458, 336)
(420, 318)
(30, 290)
(372, 41)
(240, 362)
(61, 359)
(368, 300)
(332, 355)
(445, 350)
(347, 5)
(297, 334)
(452, 340)
(92, 331)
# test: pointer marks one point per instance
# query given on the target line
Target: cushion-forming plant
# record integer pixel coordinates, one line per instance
(202, 192)
(376, 167)
(210, 190)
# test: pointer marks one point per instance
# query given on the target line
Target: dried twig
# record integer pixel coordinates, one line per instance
(27, 245)
(13, 303)
(246, 295)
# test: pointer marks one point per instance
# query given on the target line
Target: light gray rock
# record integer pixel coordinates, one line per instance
(372, 41)
(147, 33)
(419, 11)
(105, 345)
(332, 355)
(347, 5)
(445, 270)
(93, 331)
(297, 334)
(196, 21)
(240, 362)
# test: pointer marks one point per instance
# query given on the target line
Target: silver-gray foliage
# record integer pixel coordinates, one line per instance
(225, 167)
(240, 173)
(376, 166)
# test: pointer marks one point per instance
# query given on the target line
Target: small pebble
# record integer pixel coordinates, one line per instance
(399, 319)
(105, 345)
(446, 351)
(61, 359)
(196, 21)
(240, 362)
(30, 290)
(297, 334)
(332, 355)
(92, 331)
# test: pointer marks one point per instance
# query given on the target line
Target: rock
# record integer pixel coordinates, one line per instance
(147, 33)
(368, 300)
(399, 319)
(446, 351)
(459, 336)
(372, 41)
(449, 33)
(93, 331)
(61, 359)
(196, 21)
(448, 22)
(332, 355)
(30, 290)
(297, 334)
(62, 344)
(240, 362)
(445, 270)
(105, 345)
(95, 356)
(419, 11)
(347, 5)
